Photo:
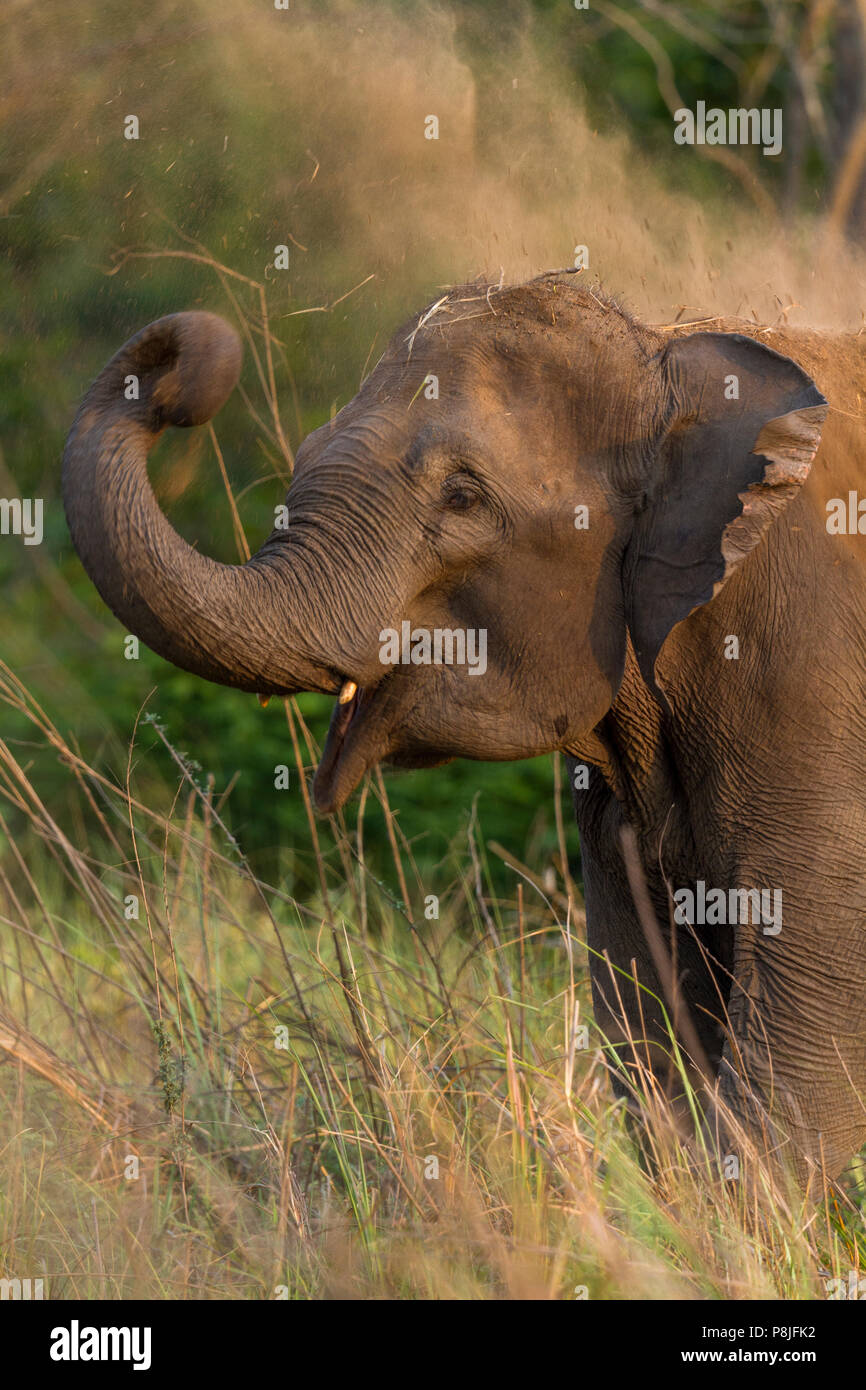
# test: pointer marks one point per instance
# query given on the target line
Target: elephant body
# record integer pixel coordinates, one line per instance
(751, 774)
(637, 519)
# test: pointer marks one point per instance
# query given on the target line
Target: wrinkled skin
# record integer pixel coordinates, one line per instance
(706, 519)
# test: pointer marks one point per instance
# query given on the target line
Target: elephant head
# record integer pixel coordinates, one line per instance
(528, 466)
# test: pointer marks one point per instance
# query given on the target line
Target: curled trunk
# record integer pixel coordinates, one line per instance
(238, 625)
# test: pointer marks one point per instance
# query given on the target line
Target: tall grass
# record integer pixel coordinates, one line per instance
(235, 1094)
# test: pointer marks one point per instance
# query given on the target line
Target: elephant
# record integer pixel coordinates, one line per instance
(657, 531)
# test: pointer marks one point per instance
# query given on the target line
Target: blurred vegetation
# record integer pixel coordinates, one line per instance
(268, 127)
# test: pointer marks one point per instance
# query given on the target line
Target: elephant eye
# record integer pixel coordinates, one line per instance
(458, 495)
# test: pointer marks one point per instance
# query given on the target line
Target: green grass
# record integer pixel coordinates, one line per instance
(239, 1094)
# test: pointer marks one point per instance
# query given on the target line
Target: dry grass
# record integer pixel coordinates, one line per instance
(428, 1125)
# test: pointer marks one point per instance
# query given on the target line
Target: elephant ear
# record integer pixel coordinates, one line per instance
(744, 426)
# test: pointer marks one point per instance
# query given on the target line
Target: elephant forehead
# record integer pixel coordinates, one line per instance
(375, 433)
(419, 430)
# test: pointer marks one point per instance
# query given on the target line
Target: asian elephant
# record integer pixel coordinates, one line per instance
(669, 575)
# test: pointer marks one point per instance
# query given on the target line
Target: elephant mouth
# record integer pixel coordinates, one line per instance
(357, 738)
(372, 724)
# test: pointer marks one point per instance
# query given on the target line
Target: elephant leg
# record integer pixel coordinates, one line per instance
(635, 1007)
(791, 1074)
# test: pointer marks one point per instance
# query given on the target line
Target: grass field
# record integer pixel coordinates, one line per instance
(234, 1094)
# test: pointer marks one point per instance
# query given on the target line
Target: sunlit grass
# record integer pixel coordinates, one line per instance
(237, 1095)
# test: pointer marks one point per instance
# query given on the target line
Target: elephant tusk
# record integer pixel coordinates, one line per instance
(348, 692)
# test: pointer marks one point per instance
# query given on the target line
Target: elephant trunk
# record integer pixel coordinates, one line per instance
(238, 625)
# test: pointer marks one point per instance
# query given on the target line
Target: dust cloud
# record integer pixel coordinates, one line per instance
(520, 176)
